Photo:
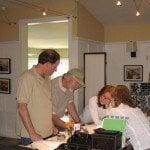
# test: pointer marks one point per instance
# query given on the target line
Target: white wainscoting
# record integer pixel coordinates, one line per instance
(117, 57)
(78, 47)
(8, 101)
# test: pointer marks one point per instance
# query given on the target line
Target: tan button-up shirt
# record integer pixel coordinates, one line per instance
(35, 91)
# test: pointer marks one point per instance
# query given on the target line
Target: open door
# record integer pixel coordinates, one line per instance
(95, 74)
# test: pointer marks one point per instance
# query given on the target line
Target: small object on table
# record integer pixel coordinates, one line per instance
(61, 137)
(77, 127)
(84, 129)
(69, 127)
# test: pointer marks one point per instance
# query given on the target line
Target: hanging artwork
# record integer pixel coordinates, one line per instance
(133, 73)
(5, 85)
(5, 67)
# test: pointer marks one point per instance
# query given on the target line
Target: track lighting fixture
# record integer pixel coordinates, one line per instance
(137, 6)
(44, 13)
(118, 3)
(137, 13)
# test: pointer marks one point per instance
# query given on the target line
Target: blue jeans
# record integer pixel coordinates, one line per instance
(25, 141)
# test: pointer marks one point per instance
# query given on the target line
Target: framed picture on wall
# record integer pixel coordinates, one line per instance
(5, 67)
(133, 73)
(5, 85)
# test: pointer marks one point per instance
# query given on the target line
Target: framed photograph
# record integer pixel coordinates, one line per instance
(5, 67)
(5, 85)
(133, 73)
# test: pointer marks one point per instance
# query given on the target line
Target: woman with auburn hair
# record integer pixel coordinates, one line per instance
(138, 127)
(96, 110)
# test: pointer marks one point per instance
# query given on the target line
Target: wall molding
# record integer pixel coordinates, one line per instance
(87, 40)
(10, 42)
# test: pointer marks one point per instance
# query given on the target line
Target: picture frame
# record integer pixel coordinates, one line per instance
(133, 73)
(5, 85)
(5, 66)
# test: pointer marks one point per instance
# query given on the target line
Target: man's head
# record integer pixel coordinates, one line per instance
(74, 78)
(49, 60)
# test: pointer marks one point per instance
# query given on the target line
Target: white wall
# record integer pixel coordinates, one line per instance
(7, 101)
(78, 47)
(117, 57)
(13, 51)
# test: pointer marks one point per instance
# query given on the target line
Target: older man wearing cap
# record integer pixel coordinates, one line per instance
(63, 88)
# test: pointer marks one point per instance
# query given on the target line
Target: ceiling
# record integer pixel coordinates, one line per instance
(24, 3)
(55, 35)
(108, 13)
(105, 11)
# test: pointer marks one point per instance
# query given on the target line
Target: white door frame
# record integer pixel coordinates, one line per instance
(23, 36)
(72, 43)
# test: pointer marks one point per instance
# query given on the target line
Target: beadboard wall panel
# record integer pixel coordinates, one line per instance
(8, 101)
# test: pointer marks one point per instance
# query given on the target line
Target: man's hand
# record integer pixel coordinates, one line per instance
(57, 121)
(35, 137)
(55, 130)
(25, 117)
(73, 112)
(69, 125)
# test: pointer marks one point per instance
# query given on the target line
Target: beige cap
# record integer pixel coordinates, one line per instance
(78, 75)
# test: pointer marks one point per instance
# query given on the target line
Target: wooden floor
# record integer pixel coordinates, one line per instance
(10, 144)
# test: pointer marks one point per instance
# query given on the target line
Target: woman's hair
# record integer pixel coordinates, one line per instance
(105, 89)
(121, 94)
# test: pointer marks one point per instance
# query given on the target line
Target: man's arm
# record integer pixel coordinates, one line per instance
(57, 121)
(25, 117)
(73, 112)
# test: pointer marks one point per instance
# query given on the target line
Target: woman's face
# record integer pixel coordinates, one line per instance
(105, 99)
(112, 103)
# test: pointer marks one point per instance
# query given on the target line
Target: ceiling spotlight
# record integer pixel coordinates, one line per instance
(137, 13)
(44, 13)
(3, 8)
(118, 3)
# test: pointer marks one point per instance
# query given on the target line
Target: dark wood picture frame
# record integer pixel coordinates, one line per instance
(5, 86)
(5, 66)
(133, 73)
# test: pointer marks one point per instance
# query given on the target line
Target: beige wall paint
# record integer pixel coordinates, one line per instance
(11, 32)
(34, 52)
(121, 33)
(87, 26)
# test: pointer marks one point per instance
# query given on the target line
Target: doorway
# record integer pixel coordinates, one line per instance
(72, 43)
(49, 35)
(29, 36)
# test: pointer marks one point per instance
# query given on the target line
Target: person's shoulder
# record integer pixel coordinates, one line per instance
(28, 74)
(55, 81)
(93, 99)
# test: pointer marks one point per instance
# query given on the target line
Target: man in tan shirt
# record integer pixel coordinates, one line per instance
(34, 99)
